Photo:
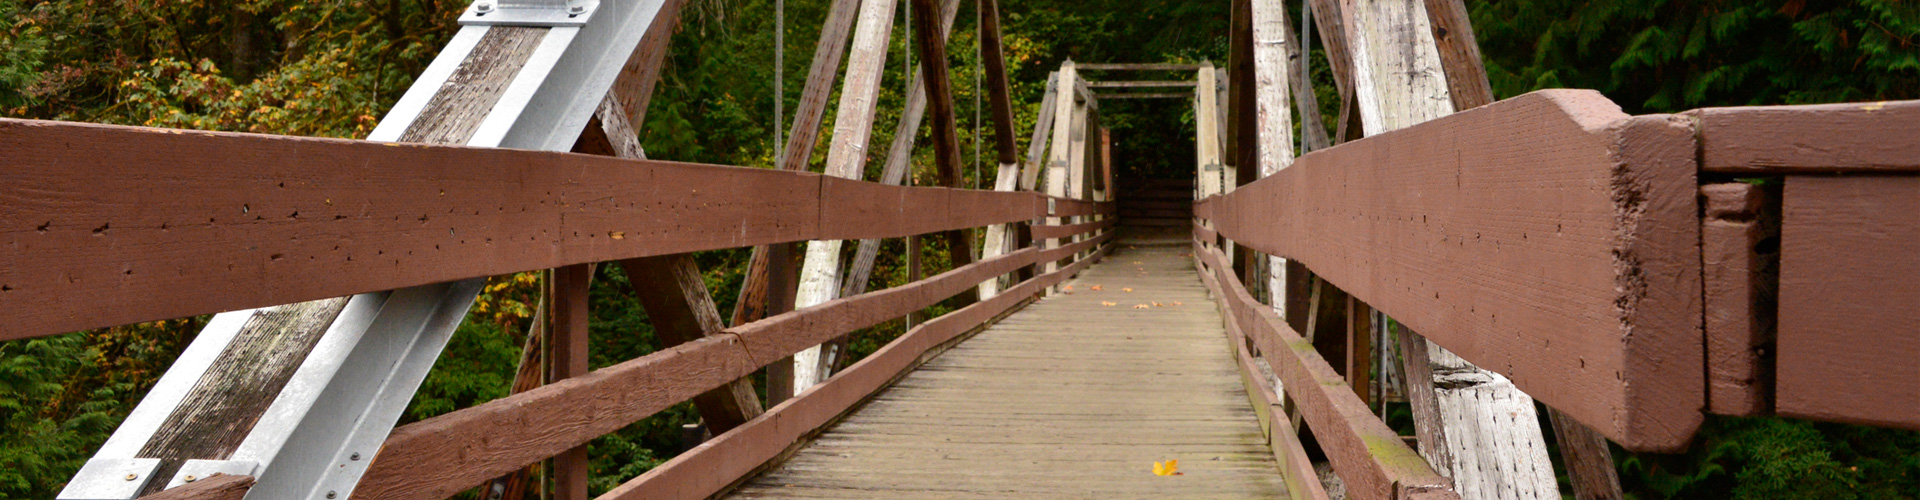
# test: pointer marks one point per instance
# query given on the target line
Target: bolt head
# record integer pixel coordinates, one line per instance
(131, 477)
(577, 9)
(331, 494)
(483, 7)
(356, 456)
(190, 479)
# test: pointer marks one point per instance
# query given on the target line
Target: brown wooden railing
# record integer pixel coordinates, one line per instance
(240, 220)
(1610, 265)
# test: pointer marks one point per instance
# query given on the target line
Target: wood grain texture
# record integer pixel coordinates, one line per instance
(1467, 83)
(1740, 254)
(894, 173)
(726, 459)
(1303, 482)
(1852, 137)
(567, 357)
(438, 457)
(1548, 238)
(674, 295)
(923, 438)
(214, 487)
(250, 220)
(1370, 458)
(930, 39)
(1846, 341)
(804, 135)
(469, 94)
(1589, 461)
(1045, 231)
(1273, 119)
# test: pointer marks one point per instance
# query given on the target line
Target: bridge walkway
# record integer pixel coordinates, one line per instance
(1075, 396)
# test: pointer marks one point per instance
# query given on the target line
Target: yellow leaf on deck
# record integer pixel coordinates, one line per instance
(1142, 306)
(1095, 288)
(1109, 304)
(1126, 289)
(1167, 468)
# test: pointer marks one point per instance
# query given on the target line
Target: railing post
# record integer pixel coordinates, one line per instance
(567, 353)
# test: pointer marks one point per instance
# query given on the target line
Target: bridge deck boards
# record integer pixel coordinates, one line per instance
(1067, 398)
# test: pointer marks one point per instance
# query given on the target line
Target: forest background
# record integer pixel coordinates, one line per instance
(331, 67)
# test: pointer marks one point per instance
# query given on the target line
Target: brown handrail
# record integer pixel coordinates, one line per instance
(213, 221)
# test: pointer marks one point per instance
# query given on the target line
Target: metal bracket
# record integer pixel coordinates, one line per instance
(110, 479)
(549, 13)
(195, 470)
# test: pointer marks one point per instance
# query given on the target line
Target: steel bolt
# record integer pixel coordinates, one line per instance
(356, 456)
(191, 479)
(576, 9)
(331, 494)
(131, 477)
(483, 7)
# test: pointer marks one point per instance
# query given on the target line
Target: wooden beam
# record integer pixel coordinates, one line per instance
(999, 237)
(1467, 83)
(1060, 150)
(1821, 138)
(899, 156)
(633, 89)
(1359, 349)
(710, 469)
(1107, 84)
(804, 135)
(763, 268)
(1147, 95)
(669, 287)
(1138, 67)
(846, 158)
(307, 240)
(1741, 275)
(1589, 466)
(930, 39)
(1313, 128)
(1846, 344)
(214, 487)
(567, 354)
(1371, 459)
(1398, 82)
(444, 455)
(1643, 387)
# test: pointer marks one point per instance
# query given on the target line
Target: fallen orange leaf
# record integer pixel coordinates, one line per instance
(1126, 289)
(1142, 306)
(1167, 468)
(1109, 304)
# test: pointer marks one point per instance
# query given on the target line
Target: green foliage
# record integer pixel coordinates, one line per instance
(1770, 458)
(1672, 55)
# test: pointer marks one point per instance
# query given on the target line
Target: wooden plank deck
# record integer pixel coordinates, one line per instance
(1067, 398)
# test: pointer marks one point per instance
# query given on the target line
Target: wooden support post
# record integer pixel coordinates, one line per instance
(568, 356)
(930, 39)
(832, 354)
(674, 294)
(1589, 461)
(755, 301)
(999, 236)
(1487, 427)
(1359, 348)
(1060, 151)
(1269, 78)
(846, 158)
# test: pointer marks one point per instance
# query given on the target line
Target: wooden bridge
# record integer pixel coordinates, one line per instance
(1632, 273)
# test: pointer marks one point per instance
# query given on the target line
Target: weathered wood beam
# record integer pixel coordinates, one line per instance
(931, 41)
(1109, 84)
(1059, 152)
(1138, 66)
(820, 272)
(1398, 82)
(1866, 138)
(441, 456)
(670, 287)
(899, 156)
(1146, 95)
(342, 190)
(1633, 373)
(1589, 465)
(710, 469)
(770, 263)
(1372, 461)
(1313, 128)
(567, 357)
(1741, 276)
(215, 487)
(999, 237)
(674, 294)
